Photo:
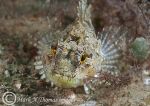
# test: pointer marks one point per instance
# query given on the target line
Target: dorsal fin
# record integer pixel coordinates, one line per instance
(84, 15)
(84, 12)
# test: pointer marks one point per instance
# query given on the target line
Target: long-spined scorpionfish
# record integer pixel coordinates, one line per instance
(79, 55)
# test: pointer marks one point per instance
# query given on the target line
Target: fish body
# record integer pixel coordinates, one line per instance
(80, 55)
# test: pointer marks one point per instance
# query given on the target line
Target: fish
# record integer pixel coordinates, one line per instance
(71, 58)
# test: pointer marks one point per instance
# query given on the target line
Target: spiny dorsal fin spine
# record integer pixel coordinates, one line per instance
(83, 10)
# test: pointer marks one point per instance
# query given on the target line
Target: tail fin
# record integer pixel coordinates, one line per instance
(110, 48)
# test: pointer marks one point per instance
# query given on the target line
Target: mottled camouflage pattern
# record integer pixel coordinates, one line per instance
(79, 56)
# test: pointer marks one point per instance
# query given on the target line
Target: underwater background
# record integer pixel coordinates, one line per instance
(23, 23)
